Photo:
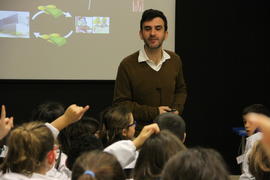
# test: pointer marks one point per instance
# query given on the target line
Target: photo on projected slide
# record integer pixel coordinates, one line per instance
(84, 24)
(101, 25)
(14, 24)
(93, 25)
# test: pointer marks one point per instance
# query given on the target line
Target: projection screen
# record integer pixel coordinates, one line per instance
(72, 39)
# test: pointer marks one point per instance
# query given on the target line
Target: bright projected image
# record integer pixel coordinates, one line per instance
(72, 40)
(14, 24)
(98, 25)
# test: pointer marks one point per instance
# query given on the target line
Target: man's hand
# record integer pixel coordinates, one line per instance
(146, 132)
(164, 109)
(5, 123)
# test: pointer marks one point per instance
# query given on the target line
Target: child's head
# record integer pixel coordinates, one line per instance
(249, 113)
(78, 138)
(155, 152)
(97, 165)
(85, 125)
(48, 112)
(30, 149)
(119, 123)
(196, 164)
(173, 123)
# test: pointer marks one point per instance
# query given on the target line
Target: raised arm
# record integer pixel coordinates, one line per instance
(146, 132)
(125, 150)
(72, 114)
(5, 123)
(263, 122)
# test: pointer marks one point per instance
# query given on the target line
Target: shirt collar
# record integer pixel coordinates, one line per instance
(143, 56)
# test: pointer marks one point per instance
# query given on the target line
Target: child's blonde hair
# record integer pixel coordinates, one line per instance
(28, 146)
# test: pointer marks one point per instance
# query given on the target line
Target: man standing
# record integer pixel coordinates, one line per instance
(150, 81)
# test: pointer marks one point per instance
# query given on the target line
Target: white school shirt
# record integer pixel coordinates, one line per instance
(251, 140)
(124, 151)
(13, 176)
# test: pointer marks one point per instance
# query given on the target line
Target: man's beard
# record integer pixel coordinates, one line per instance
(148, 45)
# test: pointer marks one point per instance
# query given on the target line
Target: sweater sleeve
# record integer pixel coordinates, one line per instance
(180, 90)
(123, 95)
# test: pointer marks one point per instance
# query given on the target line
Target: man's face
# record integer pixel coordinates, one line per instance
(249, 126)
(153, 33)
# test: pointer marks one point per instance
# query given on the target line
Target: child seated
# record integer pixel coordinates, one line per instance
(196, 164)
(105, 167)
(32, 150)
(249, 115)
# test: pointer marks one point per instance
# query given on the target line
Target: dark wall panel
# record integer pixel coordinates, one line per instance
(22, 96)
(222, 44)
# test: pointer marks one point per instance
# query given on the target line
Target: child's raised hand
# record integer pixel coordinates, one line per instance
(5, 123)
(74, 113)
(146, 132)
(263, 122)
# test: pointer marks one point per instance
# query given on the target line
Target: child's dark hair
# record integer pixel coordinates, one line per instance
(173, 123)
(196, 164)
(78, 138)
(256, 108)
(116, 119)
(48, 111)
(155, 152)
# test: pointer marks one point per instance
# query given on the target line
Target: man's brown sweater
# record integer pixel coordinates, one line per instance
(143, 89)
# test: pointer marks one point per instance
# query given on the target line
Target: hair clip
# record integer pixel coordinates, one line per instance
(89, 172)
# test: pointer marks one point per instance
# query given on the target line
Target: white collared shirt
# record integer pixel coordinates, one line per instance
(251, 140)
(144, 58)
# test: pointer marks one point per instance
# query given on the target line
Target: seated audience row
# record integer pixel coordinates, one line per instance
(157, 152)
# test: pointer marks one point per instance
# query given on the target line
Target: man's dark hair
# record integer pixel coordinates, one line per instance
(150, 14)
(256, 108)
(173, 123)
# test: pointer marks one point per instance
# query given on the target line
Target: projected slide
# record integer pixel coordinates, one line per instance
(73, 39)
(14, 24)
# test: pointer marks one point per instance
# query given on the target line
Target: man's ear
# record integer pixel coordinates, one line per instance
(51, 156)
(166, 34)
(140, 33)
